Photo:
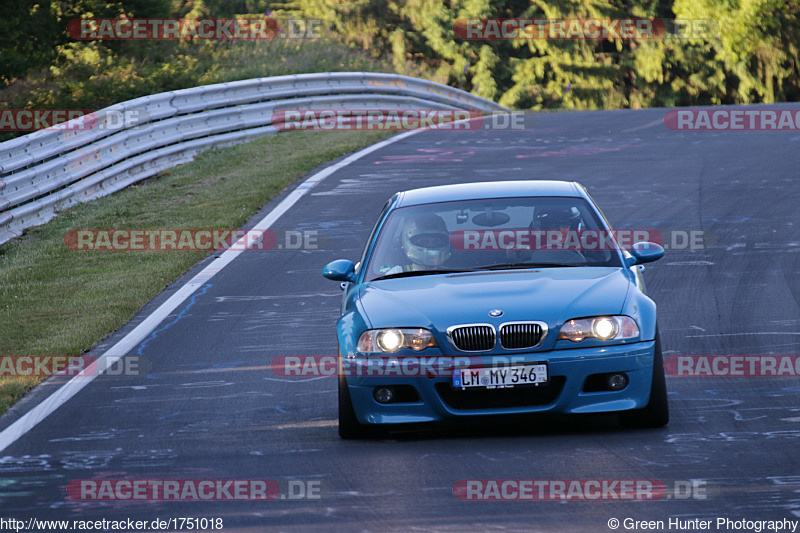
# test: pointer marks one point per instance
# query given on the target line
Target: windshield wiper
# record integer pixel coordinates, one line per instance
(512, 266)
(421, 273)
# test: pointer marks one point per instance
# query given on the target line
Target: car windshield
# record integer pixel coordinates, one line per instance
(493, 234)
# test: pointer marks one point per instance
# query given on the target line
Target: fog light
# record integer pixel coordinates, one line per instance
(617, 381)
(383, 394)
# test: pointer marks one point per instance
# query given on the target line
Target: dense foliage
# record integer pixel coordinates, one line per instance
(42, 67)
(752, 57)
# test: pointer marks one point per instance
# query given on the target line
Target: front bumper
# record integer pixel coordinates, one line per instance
(568, 370)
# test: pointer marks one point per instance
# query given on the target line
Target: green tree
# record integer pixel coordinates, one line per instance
(753, 59)
(757, 43)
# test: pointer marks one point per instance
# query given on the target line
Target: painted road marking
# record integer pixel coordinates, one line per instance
(30, 419)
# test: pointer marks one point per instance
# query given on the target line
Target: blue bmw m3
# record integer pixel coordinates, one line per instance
(496, 299)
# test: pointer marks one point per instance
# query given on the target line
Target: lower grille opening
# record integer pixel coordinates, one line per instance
(499, 398)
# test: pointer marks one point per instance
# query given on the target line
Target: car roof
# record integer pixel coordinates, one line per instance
(489, 189)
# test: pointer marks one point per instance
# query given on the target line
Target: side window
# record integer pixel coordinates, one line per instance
(389, 249)
(374, 231)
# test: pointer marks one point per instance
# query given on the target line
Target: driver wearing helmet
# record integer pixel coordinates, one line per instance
(547, 220)
(426, 244)
(555, 218)
(557, 227)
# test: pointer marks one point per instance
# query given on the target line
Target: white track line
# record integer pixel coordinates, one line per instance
(26, 422)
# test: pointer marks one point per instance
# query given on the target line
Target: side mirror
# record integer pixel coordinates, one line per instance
(340, 270)
(644, 252)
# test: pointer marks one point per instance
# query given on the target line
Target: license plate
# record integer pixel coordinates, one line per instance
(500, 377)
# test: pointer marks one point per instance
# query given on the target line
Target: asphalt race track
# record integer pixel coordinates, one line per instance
(212, 408)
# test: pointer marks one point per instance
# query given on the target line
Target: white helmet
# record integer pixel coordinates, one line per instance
(425, 240)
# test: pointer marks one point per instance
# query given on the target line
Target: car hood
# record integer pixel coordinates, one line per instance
(551, 295)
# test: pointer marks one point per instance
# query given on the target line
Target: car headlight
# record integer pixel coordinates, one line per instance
(392, 339)
(605, 328)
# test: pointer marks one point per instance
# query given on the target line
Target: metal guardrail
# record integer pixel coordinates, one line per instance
(50, 170)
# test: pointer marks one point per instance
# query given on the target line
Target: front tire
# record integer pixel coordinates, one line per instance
(349, 427)
(656, 413)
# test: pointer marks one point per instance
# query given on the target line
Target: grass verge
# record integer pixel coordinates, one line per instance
(56, 301)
